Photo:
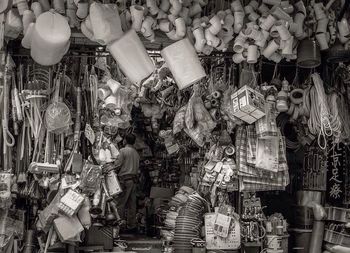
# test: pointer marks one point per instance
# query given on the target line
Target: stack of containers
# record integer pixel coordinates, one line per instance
(188, 224)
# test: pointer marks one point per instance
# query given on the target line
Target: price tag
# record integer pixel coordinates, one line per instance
(89, 133)
(222, 225)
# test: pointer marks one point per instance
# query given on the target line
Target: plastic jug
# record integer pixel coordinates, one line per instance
(50, 38)
(183, 62)
(132, 57)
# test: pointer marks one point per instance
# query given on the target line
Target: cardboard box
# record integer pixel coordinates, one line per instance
(248, 104)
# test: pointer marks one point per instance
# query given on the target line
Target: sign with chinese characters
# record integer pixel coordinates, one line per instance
(336, 170)
(314, 169)
(346, 200)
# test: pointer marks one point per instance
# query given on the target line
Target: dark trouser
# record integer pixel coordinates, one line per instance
(127, 199)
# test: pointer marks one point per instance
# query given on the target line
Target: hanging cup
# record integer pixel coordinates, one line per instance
(195, 9)
(271, 48)
(263, 9)
(322, 41)
(113, 85)
(287, 48)
(22, 6)
(268, 22)
(37, 9)
(236, 6)
(27, 39)
(278, 13)
(322, 25)
(319, 11)
(252, 55)
(344, 31)
(238, 24)
(253, 16)
(137, 15)
(282, 30)
(238, 58)
(27, 18)
(83, 10)
(238, 45)
(58, 5)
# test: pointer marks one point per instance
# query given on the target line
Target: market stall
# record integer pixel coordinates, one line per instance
(174, 126)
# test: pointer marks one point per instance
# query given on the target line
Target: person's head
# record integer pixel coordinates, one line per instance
(130, 139)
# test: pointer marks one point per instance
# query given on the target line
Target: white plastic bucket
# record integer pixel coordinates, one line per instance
(183, 62)
(132, 57)
(50, 38)
(274, 242)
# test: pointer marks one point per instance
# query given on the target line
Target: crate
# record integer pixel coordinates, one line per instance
(338, 214)
(336, 238)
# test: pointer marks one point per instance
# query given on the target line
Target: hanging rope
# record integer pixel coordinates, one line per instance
(319, 122)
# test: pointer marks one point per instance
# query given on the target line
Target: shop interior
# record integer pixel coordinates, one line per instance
(234, 115)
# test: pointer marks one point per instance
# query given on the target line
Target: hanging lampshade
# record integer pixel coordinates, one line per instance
(309, 55)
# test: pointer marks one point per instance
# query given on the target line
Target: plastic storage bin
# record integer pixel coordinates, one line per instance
(183, 62)
(132, 57)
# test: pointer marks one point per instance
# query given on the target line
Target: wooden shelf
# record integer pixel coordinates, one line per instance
(161, 41)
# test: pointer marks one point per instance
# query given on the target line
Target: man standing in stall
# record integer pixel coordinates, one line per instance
(127, 165)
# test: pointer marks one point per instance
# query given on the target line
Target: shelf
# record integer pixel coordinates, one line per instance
(161, 41)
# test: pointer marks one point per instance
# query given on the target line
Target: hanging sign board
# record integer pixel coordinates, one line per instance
(336, 162)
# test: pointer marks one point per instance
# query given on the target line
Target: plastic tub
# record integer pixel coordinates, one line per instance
(50, 38)
(183, 62)
(132, 57)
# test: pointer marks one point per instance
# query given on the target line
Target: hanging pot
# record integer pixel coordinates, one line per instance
(183, 62)
(132, 57)
(337, 53)
(309, 55)
(50, 38)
